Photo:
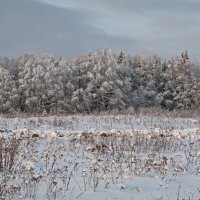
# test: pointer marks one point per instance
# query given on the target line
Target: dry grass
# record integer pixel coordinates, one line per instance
(75, 163)
(184, 113)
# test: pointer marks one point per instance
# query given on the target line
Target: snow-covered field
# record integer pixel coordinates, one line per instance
(100, 157)
(75, 123)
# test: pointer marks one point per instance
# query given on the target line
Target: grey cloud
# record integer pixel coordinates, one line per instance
(177, 23)
(150, 26)
(30, 26)
(174, 45)
(141, 5)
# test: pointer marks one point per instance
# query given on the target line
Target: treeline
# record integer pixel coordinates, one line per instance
(95, 82)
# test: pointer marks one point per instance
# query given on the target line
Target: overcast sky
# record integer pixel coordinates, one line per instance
(70, 27)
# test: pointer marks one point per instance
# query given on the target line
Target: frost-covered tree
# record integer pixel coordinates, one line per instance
(9, 96)
(120, 58)
(81, 75)
(50, 89)
(103, 89)
(95, 82)
(25, 76)
(176, 83)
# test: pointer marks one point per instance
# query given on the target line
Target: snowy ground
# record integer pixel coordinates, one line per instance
(99, 123)
(99, 157)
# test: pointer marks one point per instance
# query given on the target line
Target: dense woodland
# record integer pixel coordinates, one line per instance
(95, 82)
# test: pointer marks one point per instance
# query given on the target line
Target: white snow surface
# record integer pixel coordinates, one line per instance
(74, 141)
(79, 123)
